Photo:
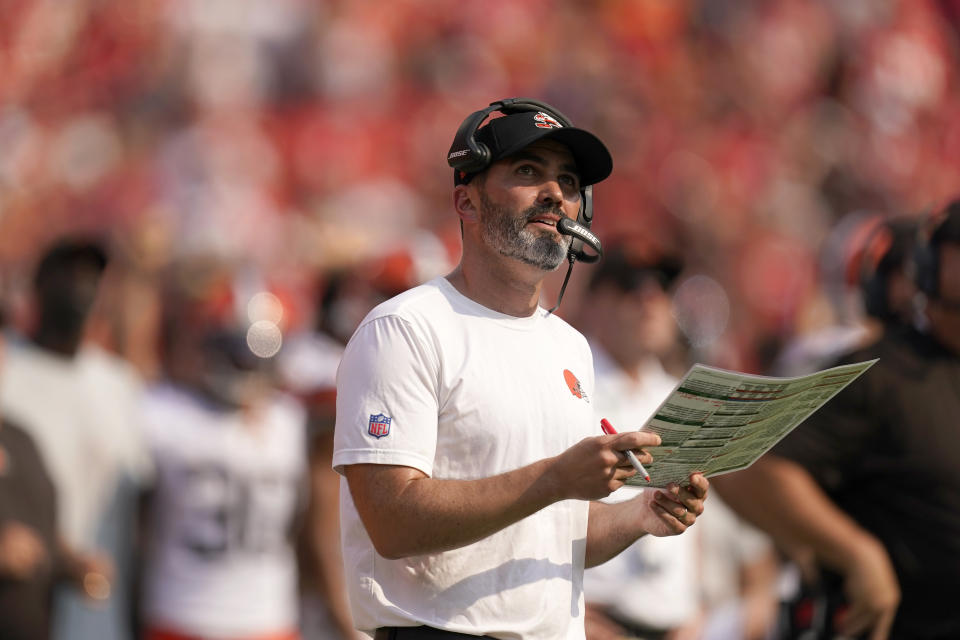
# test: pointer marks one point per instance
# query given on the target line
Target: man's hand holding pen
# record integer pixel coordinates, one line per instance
(674, 507)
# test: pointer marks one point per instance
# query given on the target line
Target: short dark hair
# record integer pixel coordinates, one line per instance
(68, 252)
(628, 270)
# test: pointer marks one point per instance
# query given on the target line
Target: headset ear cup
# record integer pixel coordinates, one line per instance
(585, 218)
(466, 153)
(576, 246)
(480, 158)
(585, 214)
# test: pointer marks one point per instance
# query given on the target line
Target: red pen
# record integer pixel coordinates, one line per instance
(609, 430)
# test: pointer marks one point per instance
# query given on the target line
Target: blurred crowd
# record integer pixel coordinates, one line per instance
(295, 136)
(248, 178)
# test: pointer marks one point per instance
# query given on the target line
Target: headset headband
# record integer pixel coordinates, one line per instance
(470, 156)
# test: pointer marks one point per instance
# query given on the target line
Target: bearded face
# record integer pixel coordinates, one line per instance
(511, 235)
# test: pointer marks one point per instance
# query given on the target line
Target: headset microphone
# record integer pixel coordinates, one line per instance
(581, 236)
(580, 233)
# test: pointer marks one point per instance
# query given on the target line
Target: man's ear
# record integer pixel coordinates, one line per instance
(464, 204)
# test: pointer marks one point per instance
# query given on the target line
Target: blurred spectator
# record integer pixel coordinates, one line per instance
(737, 580)
(79, 404)
(308, 366)
(881, 523)
(867, 265)
(865, 269)
(33, 557)
(200, 116)
(231, 468)
(253, 129)
(645, 591)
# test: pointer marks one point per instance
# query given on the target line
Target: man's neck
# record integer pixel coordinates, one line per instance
(507, 287)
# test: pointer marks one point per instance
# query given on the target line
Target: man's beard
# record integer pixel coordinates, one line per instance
(508, 234)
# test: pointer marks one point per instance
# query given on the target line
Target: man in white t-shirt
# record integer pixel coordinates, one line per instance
(715, 581)
(465, 426)
(231, 463)
(650, 588)
(80, 405)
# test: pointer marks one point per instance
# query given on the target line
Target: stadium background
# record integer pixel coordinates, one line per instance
(288, 138)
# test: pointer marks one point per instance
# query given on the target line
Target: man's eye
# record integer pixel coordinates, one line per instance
(570, 180)
(525, 170)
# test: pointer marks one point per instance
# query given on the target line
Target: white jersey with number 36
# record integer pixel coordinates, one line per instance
(221, 561)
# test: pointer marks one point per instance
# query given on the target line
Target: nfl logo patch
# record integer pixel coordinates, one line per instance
(379, 425)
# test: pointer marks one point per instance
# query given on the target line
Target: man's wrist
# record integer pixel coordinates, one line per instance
(550, 480)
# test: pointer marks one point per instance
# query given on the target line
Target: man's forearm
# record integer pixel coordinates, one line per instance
(407, 513)
(782, 498)
(612, 529)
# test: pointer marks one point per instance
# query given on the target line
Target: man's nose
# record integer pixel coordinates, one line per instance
(550, 192)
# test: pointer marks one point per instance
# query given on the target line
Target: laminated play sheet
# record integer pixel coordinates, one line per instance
(716, 421)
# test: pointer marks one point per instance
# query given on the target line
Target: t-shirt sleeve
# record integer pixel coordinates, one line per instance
(830, 443)
(387, 397)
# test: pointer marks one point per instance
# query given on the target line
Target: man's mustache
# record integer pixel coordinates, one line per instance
(537, 210)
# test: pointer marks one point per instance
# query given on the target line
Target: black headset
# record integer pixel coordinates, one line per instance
(468, 155)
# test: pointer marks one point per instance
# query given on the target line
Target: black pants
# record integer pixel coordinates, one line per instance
(420, 633)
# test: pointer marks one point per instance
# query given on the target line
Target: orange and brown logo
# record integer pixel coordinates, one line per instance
(544, 121)
(574, 385)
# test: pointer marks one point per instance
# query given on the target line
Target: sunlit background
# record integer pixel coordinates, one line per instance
(285, 139)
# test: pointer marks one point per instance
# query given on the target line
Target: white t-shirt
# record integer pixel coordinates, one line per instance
(654, 582)
(435, 381)
(729, 543)
(83, 414)
(221, 562)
